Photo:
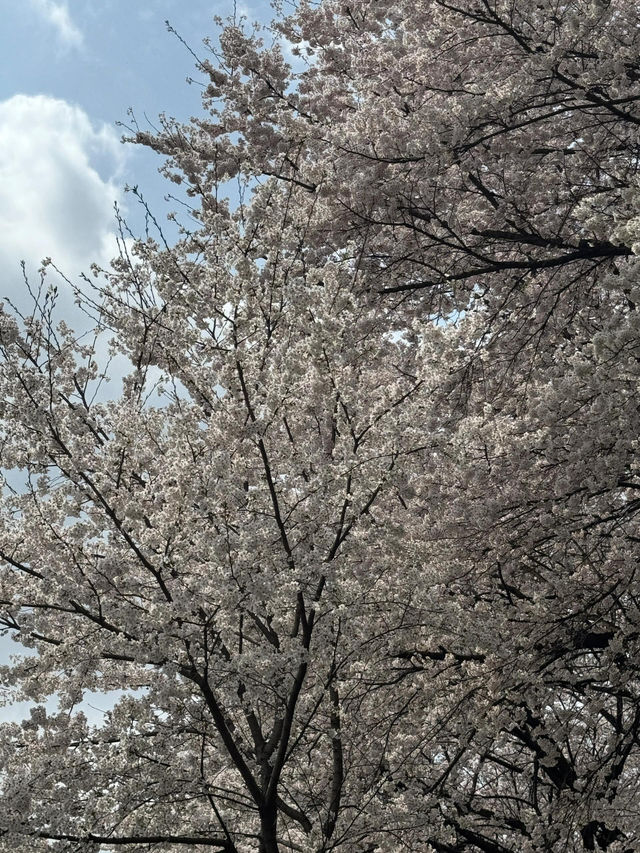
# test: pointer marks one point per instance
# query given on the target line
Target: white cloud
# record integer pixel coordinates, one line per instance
(53, 200)
(57, 14)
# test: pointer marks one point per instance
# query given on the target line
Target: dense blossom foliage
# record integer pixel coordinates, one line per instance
(368, 570)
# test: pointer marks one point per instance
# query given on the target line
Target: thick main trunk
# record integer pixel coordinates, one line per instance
(268, 830)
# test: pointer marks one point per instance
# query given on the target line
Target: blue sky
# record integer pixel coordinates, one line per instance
(70, 69)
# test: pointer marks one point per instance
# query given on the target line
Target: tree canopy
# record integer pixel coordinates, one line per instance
(359, 537)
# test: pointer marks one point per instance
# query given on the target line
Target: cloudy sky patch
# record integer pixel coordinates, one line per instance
(54, 202)
(57, 15)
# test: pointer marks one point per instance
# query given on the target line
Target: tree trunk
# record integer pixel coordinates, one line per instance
(268, 829)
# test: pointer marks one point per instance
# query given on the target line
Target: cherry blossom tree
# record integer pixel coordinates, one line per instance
(359, 537)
